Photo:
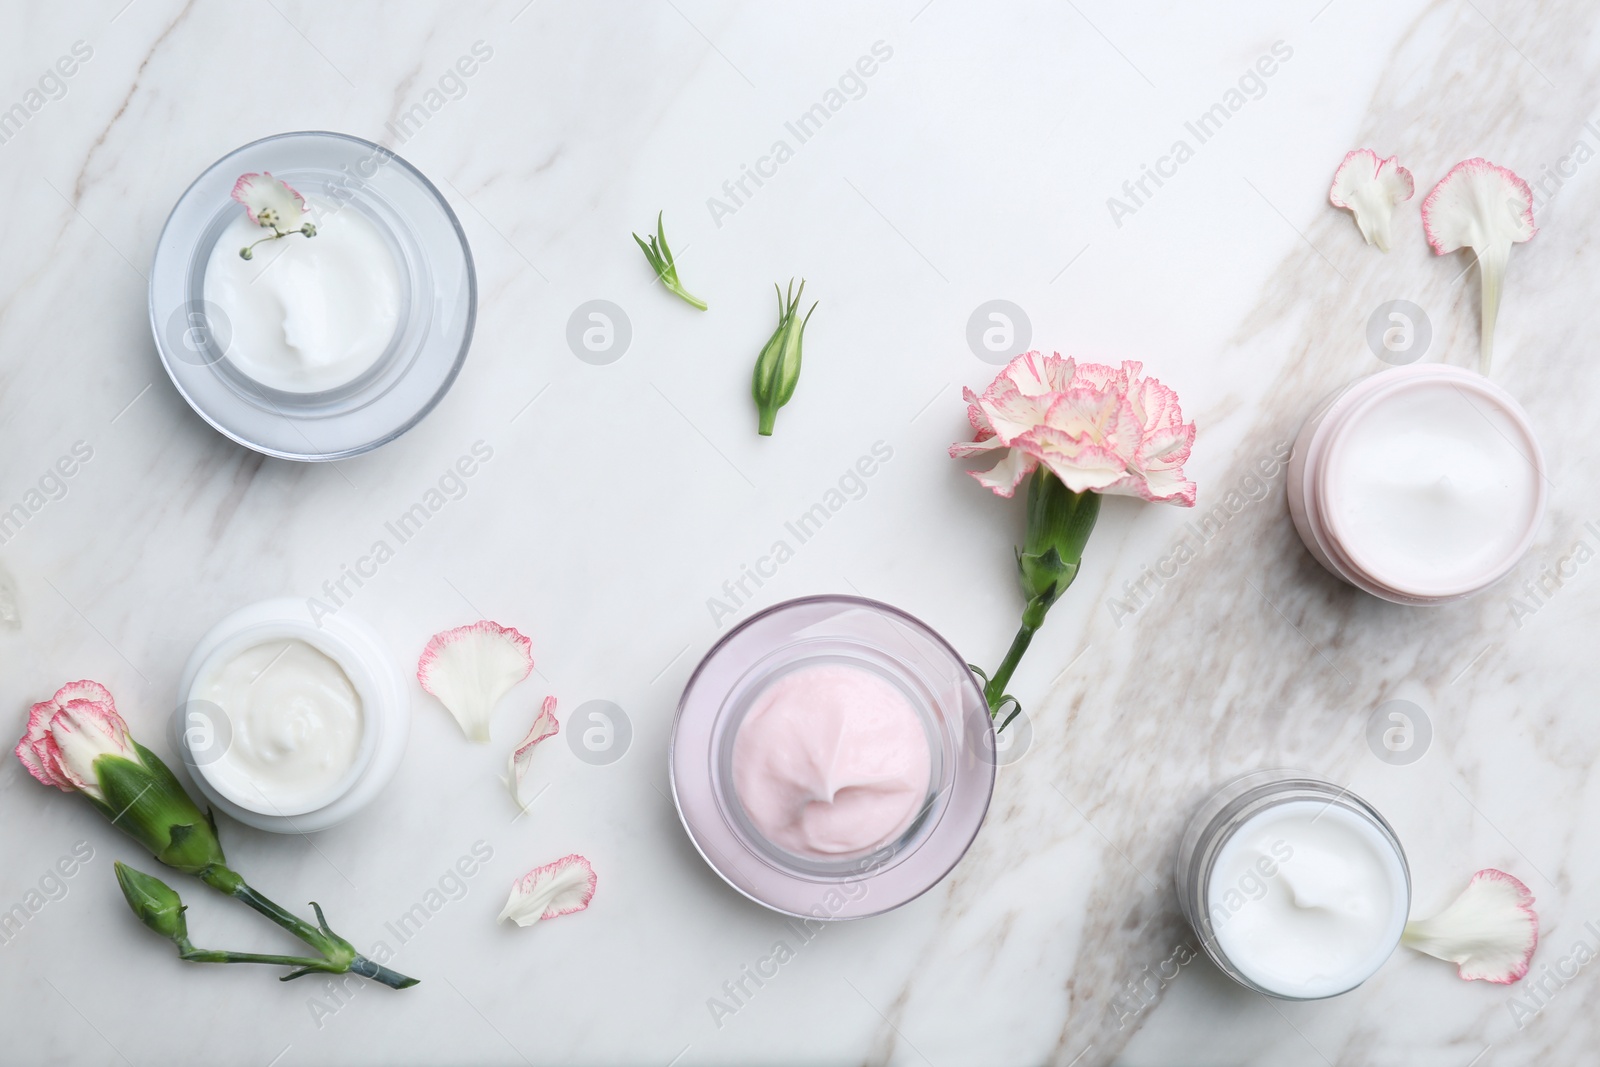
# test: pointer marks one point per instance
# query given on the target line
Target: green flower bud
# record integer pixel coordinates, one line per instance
(155, 903)
(778, 367)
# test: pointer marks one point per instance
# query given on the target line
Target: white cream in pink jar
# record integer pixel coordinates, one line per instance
(831, 760)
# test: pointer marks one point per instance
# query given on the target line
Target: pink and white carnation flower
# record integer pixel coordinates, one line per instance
(68, 732)
(1097, 428)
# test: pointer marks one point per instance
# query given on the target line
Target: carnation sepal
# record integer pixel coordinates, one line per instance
(143, 798)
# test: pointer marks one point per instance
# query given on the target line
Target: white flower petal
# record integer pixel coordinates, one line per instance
(1004, 476)
(471, 667)
(1487, 208)
(556, 889)
(544, 725)
(269, 201)
(1489, 932)
(1369, 188)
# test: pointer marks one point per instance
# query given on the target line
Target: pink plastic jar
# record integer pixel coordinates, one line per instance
(1421, 484)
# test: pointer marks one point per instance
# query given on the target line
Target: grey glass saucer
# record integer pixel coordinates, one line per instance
(438, 307)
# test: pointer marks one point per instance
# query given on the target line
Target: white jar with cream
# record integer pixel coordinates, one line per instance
(288, 723)
(1294, 886)
(1421, 484)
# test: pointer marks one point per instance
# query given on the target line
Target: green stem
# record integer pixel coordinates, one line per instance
(225, 880)
(994, 691)
(379, 973)
(205, 955)
(1059, 524)
(688, 297)
(341, 956)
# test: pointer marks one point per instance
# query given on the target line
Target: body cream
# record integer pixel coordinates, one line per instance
(289, 722)
(1421, 484)
(831, 759)
(295, 721)
(306, 314)
(1295, 887)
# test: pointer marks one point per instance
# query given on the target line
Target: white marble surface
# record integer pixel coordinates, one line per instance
(976, 165)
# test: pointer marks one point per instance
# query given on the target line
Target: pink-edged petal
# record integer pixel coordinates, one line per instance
(1098, 427)
(471, 667)
(68, 732)
(545, 725)
(269, 201)
(1484, 207)
(1369, 187)
(81, 732)
(1475, 202)
(964, 449)
(37, 751)
(1489, 931)
(1004, 476)
(1105, 377)
(1019, 395)
(1081, 463)
(42, 771)
(84, 689)
(1034, 374)
(548, 892)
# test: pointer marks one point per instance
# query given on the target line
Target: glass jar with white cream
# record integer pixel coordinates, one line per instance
(319, 347)
(1420, 484)
(1295, 887)
(290, 723)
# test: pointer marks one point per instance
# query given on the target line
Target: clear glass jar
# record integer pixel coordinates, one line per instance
(439, 300)
(876, 638)
(1204, 900)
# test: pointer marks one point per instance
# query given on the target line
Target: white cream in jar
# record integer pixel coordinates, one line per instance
(1421, 484)
(305, 314)
(1307, 899)
(294, 721)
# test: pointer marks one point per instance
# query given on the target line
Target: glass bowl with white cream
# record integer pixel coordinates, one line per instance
(288, 722)
(322, 347)
(1421, 484)
(1294, 886)
(832, 758)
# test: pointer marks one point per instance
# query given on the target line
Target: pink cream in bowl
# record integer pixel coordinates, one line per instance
(831, 759)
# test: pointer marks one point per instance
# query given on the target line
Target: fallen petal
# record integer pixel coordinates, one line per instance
(471, 667)
(556, 889)
(1489, 932)
(544, 725)
(1369, 188)
(1487, 208)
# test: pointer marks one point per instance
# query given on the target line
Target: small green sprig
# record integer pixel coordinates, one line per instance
(778, 366)
(660, 257)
